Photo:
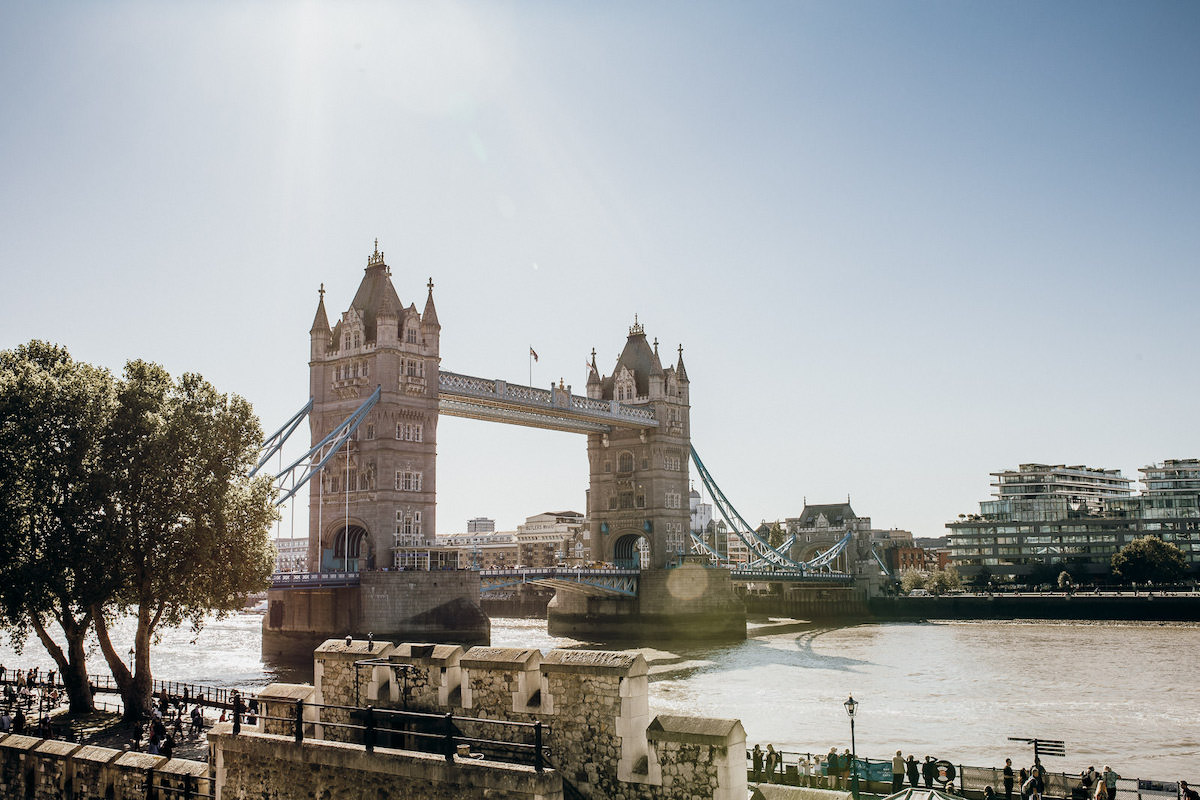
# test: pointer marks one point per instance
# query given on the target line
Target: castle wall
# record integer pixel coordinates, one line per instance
(593, 705)
(42, 769)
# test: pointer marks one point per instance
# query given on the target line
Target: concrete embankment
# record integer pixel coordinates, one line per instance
(1156, 608)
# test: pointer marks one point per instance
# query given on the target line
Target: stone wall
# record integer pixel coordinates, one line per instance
(594, 707)
(42, 769)
(260, 765)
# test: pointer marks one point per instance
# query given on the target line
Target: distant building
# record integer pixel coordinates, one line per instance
(1085, 487)
(1075, 518)
(551, 538)
(702, 513)
(291, 555)
(493, 550)
(481, 525)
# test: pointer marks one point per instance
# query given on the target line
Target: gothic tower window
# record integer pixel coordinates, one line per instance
(625, 462)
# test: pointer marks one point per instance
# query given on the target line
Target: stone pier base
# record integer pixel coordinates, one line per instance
(397, 606)
(688, 603)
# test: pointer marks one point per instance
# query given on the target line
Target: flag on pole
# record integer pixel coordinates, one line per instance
(533, 354)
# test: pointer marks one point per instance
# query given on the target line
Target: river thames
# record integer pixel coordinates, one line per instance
(1124, 694)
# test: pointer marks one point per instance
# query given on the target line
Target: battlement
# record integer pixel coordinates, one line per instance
(592, 705)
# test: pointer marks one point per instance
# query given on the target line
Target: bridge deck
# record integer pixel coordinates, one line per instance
(556, 409)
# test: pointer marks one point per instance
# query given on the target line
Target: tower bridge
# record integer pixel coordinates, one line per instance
(377, 393)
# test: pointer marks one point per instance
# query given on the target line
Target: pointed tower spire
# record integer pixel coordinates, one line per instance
(320, 321)
(430, 315)
(680, 372)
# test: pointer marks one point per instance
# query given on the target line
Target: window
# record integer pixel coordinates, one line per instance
(608, 466)
(671, 461)
(410, 335)
(626, 500)
(672, 500)
(612, 503)
(641, 501)
(625, 462)
(408, 481)
(409, 431)
(370, 430)
(357, 339)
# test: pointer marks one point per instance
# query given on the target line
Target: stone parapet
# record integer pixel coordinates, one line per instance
(501, 681)
(260, 764)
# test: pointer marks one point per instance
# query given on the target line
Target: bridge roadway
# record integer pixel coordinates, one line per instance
(595, 581)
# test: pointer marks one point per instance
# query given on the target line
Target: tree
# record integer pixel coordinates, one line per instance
(943, 580)
(54, 563)
(1064, 580)
(912, 579)
(192, 527)
(775, 536)
(1149, 558)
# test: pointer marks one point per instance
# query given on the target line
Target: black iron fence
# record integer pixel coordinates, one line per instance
(875, 776)
(445, 734)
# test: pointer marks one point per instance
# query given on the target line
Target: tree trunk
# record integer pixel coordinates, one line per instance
(133, 686)
(72, 666)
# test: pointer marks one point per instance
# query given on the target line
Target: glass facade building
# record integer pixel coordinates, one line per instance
(1019, 534)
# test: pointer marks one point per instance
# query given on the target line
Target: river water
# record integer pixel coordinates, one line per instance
(1125, 694)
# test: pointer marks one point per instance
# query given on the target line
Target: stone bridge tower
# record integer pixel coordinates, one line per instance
(365, 510)
(638, 498)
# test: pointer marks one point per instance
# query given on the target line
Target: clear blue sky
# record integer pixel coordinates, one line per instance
(903, 244)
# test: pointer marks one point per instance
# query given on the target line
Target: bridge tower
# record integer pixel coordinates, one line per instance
(368, 508)
(639, 478)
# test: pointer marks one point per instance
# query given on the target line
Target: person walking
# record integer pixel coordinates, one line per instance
(833, 768)
(846, 762)
(1008, 779)
(897, 771)
(756, 763)
(914, 771)
(772, 763)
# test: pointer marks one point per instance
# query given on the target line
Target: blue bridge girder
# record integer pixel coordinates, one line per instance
(594, 582)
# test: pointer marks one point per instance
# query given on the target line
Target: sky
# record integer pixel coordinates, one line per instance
(903, 245)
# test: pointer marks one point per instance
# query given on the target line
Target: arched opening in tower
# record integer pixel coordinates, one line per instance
(348, 549)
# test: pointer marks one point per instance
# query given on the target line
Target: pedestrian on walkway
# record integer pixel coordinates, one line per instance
(897, 771)
(1110, 782)
(1186, 792)
(833, 768)
(914, 770)
(929, 771)
(772, 763)
(1008, 779)
(756, 762)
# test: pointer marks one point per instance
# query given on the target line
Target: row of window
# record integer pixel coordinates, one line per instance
(408, 528)
(625, 462)
(355, 369)
(408, 481)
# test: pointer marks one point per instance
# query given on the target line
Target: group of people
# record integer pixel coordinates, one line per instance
(170, 711)
(829, 771)
(1031, 783)
(914, 770)
(23, 690)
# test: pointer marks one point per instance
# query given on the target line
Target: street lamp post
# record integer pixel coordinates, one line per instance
(851, 707)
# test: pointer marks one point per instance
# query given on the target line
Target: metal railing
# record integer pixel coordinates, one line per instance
(446, 734)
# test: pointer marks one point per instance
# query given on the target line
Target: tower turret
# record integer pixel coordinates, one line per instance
(319, 333)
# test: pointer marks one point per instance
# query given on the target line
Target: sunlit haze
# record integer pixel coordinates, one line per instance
(903, 245)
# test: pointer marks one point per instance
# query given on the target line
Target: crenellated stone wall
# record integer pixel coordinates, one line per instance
(43, 769)
(594, 706)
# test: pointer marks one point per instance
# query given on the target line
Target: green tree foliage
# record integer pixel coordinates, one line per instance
(192, 528)
(944, 580)
(1149, 559)
(123, 496)
(775, 536)
(1064, 580)
(55, 563)
(912, 579)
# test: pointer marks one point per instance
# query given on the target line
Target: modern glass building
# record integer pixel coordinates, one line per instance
(1075, 518)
